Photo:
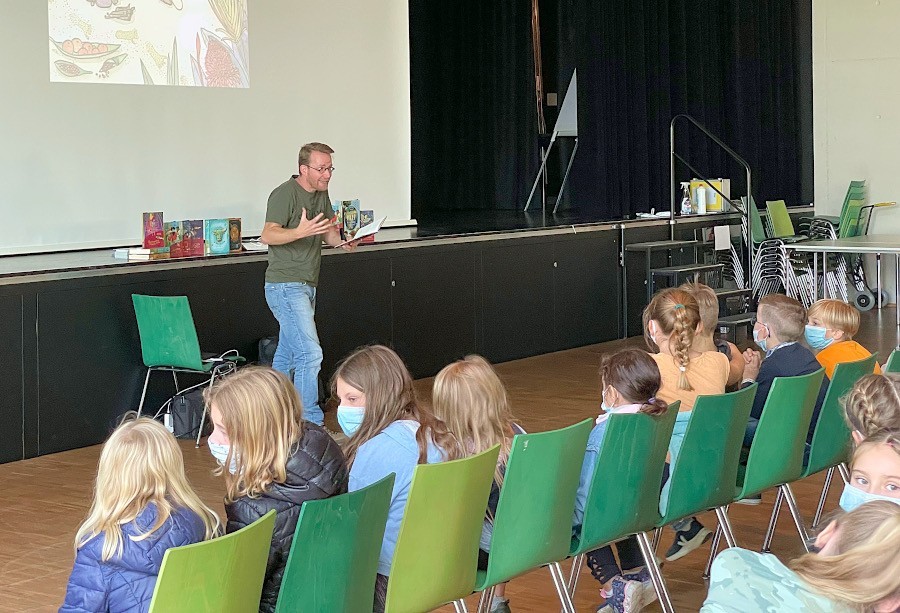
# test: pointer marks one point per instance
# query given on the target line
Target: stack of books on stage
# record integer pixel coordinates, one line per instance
(184, 239)
(138, 253)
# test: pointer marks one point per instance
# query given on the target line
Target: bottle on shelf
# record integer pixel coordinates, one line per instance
(686, 208)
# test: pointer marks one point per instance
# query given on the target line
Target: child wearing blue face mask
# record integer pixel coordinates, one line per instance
(874, 471)
(830, 327)
(390, 432)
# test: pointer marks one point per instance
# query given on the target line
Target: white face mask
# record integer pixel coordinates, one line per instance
(220, 453)
(853, 497)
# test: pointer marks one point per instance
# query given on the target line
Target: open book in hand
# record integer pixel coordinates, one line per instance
(365, 231)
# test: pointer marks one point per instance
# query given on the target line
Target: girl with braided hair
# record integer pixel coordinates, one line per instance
(671, 324)
(873, 405)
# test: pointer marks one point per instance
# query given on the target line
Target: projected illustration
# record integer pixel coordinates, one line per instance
(199, 43)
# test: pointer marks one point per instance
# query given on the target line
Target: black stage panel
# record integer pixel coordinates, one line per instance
(12, 397)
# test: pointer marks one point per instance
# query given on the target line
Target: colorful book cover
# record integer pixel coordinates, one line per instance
(216, 236)
(365, 218)
(338, 218)
(234, 234)
(193, 237)
(350, 215)
(174, 233)
(153, 231)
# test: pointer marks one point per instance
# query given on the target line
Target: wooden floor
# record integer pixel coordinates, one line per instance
(44, 499)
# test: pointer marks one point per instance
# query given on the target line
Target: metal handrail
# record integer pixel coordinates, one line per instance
(734, 155)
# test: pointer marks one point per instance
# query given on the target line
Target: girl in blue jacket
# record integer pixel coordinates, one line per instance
(142, 506)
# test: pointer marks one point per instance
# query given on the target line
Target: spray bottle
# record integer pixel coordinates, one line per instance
(686, 198)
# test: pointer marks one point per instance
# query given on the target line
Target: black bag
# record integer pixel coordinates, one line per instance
(267, 347)
(187, 411)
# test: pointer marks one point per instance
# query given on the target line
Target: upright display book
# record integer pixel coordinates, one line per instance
(216, 236)
(174, 233)
(153, 231)
(234, 234)
(350, 217)
(193, 237)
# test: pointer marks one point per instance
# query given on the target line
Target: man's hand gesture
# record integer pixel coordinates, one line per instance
(311, 227)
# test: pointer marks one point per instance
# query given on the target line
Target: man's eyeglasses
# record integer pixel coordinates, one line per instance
(321, 169)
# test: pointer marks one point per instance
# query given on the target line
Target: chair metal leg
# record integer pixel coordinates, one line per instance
(845, 472)
(460, 606)
(655, 575)
(175, 377)
(144, 391)
(657, 537)
(212, 379)
(773, 521)
(821, 507)
(559, 583)
(725, 524)
(485, 600)
(713, 550)
(795, 514)
(577, 565)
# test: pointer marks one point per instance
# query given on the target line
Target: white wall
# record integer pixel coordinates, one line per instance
(80, 162)
(856, 107)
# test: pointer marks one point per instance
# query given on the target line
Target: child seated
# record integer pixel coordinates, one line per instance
(706, 338)
(874, 471)
(830, 327)
(873, 404)
(143, 505)
(390, 432)
(630, 382)
(780, 321)
(471, 399)
(857, 568)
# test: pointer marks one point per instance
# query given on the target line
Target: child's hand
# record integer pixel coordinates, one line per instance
(752, 361)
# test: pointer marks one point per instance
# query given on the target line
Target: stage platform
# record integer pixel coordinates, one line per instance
(505, 286)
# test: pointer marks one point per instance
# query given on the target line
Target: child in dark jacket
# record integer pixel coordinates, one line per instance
(143, 505)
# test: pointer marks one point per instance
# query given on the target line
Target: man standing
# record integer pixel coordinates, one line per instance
(298, 218)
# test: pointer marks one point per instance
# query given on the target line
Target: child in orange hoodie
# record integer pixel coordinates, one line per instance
(830, 327)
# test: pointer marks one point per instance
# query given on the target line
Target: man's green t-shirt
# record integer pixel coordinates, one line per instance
(299, 260)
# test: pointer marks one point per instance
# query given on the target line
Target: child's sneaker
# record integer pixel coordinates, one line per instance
(688, 540)
(622, 597)
(643, 577)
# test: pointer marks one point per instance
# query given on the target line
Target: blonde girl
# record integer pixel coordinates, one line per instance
(872, 405)
(142, 506)
(390, 432)
(472, 400)
(857, 569)
(874, 471)
(275, 460)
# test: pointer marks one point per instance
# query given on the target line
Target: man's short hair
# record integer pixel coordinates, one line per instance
(836, 315)
(307, 149)
(784, 315)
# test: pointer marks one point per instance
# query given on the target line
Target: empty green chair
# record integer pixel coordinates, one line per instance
(780, 222)
(223, 575)
(705, 471)
(893, 362)
(831, 438)
(533, 523)
(334, 555)
(623, 496)
(776, 454)
(437, 548)
(169, 343)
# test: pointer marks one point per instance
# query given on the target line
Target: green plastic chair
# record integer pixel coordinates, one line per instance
(634, 449)
(223, 575)
(169, 343)
(893, 362)
(533, 523)
(334, 555)
(776, 455)
(757, 228)
(780, 222)
(831, 437)
(437, 549)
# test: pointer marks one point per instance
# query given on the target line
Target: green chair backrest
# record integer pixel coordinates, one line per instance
(893, 363)
(223, 575)
(334, 556)
(850, 223)
(779, 219)
(776, 455)
(705, 471)
(831, 437)
(855, 191)
(437, 548)
(757, 229)
(166, 327)
(533, 525)
(623, 497)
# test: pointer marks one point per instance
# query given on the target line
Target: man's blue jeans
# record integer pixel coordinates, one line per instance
(294, 306)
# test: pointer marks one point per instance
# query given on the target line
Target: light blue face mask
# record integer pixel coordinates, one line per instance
(853, 497)
(350, 418)
(815, 337)
(603, 406)
(220, 453)
(760, 341)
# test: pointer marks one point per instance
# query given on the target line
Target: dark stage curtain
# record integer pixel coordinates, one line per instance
(474, 115)
(741, 67)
